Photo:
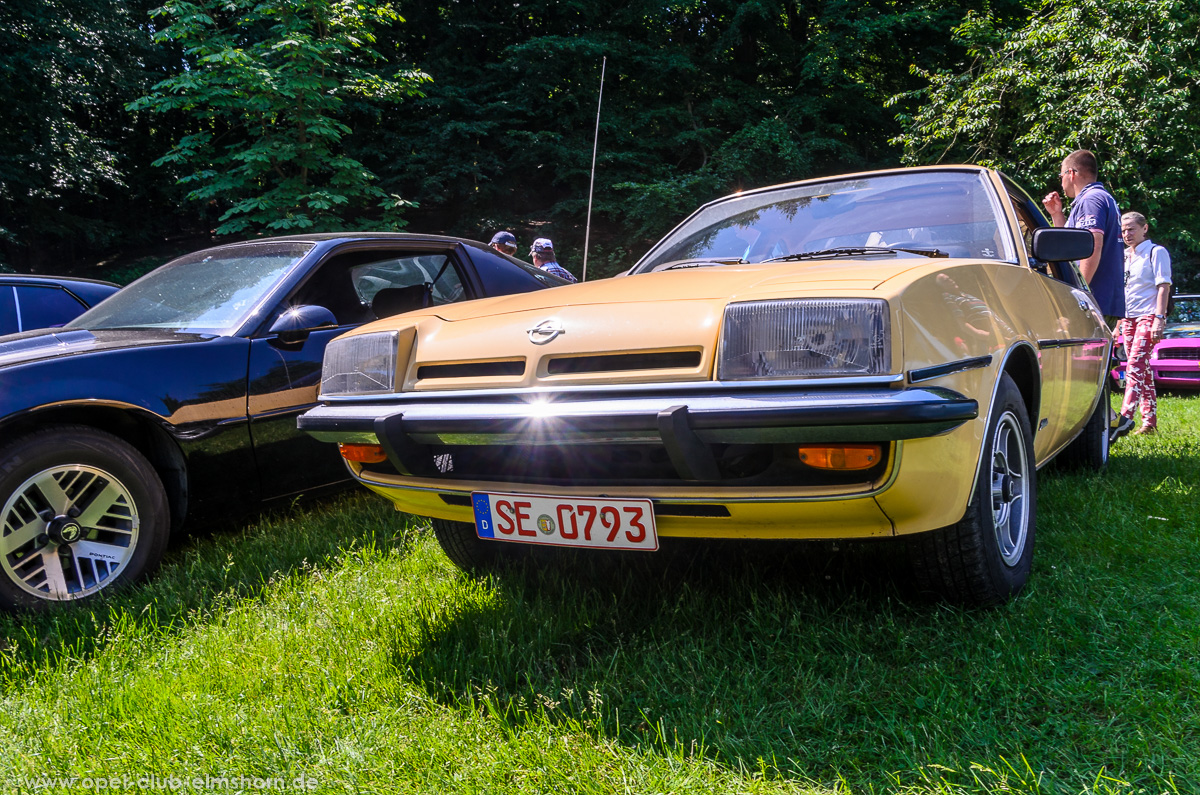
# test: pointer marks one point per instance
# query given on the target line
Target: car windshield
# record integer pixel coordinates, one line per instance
(952, 213)
(213, 291)
(1186, 310)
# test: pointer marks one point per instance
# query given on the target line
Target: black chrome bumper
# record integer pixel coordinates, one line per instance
(684, 423)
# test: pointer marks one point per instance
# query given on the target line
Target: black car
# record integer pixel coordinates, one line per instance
(177, 398)
(33, 302)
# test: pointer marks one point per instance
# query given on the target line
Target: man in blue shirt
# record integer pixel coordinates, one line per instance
(542, 252)
(1093, 208)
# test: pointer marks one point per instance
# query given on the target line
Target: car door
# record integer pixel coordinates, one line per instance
(284, 377)
(1072, 340)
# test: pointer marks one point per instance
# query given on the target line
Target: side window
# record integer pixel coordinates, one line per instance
(435, 270)
(8, 309)
(352, 285)
(1062, 271)
(1026, 223)
(502, 276)
(43, 307)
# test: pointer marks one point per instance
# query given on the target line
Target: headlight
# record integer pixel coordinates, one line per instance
(805, 337)
(364, 364)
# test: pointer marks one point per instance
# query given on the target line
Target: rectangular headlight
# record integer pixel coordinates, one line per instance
(805, 337)
(364, 364)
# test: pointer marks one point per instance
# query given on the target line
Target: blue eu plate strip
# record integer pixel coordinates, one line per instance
(483, 516)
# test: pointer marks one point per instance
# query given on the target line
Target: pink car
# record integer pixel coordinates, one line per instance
(1175, 362)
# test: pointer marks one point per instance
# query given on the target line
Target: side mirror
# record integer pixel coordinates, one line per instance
(296, 323)
(1060, 245)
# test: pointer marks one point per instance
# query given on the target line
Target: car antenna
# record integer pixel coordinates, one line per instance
(587, 231)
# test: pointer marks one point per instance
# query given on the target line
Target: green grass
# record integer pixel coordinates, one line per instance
(338, 644)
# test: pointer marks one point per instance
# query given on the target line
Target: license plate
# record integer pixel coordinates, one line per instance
(566, 521)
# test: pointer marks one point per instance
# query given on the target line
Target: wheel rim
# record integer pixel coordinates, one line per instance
(67, 532)
(1010, 489)
(1104, 444)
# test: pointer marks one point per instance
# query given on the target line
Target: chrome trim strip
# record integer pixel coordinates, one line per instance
(1072, 342)
(566, 391)
(768, 417)
(939, 370)
(707, 499)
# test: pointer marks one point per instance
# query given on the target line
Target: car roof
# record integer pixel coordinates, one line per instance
(349, 237)
(37, 278)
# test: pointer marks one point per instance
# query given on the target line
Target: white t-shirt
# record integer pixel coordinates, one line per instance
(1146, 267)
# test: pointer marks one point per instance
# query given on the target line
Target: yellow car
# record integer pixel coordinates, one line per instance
(874, 355)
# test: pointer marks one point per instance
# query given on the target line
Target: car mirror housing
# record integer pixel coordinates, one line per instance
(295, 324)
(1059, 245)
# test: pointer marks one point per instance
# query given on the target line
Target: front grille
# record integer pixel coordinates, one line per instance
(629, 464)
(618, 362)
(1179, 353)
(472, 369)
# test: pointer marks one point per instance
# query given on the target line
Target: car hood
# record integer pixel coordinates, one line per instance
(636, 329)
(723, 282)
(31, 346)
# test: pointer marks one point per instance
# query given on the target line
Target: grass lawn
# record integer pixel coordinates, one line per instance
(336, 650)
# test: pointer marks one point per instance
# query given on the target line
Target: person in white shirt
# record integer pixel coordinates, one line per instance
(1147, 290)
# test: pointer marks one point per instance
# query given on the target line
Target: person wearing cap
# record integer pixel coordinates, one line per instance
(542, 252)
(504, 242)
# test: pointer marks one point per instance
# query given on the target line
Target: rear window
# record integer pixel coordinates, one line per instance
(43, 307)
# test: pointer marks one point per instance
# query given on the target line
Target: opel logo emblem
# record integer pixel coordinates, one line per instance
(545, 331)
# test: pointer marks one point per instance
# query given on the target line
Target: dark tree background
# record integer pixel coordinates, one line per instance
(465, 117)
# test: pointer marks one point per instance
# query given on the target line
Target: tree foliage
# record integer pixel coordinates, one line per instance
(701, 98)
(1118, 77)
(265, 83)
(67, 67)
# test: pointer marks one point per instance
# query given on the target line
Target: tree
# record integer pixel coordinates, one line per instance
(1118, 77)
(701, 99)
(266, 83)
(67, 68)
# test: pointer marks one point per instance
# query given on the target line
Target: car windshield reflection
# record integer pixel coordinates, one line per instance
(954, 213)
(213, 291)
(1186, 310)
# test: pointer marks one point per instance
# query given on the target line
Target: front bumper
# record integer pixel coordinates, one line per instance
(686, 424)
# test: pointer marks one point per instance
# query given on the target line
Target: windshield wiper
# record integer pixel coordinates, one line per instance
(856, 251)
(702, 263)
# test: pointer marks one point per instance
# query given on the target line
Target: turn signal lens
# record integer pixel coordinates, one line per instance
(363, 453)
(842, 458)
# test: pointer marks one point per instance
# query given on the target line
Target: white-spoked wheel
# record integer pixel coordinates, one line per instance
(67, 531)
(82, 512)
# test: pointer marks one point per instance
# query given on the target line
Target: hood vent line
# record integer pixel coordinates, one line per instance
(619, 362)
(472, 369)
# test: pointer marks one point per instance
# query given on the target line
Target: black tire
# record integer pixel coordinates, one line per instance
(470, 552)
(82, 512)
(1090, 448)
(984, 559)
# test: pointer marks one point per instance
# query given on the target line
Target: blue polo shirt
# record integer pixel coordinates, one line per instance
(1095, 208)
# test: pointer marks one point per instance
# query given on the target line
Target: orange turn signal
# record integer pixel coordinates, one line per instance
(363, 453)
(842, 457)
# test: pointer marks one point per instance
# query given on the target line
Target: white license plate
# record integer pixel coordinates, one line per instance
(566, 521)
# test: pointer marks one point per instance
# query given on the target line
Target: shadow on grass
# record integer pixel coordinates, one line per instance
(801, 661)
(710, 645)
(203, 574)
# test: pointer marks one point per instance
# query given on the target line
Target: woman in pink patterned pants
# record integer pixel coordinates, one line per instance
(1147, 288)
